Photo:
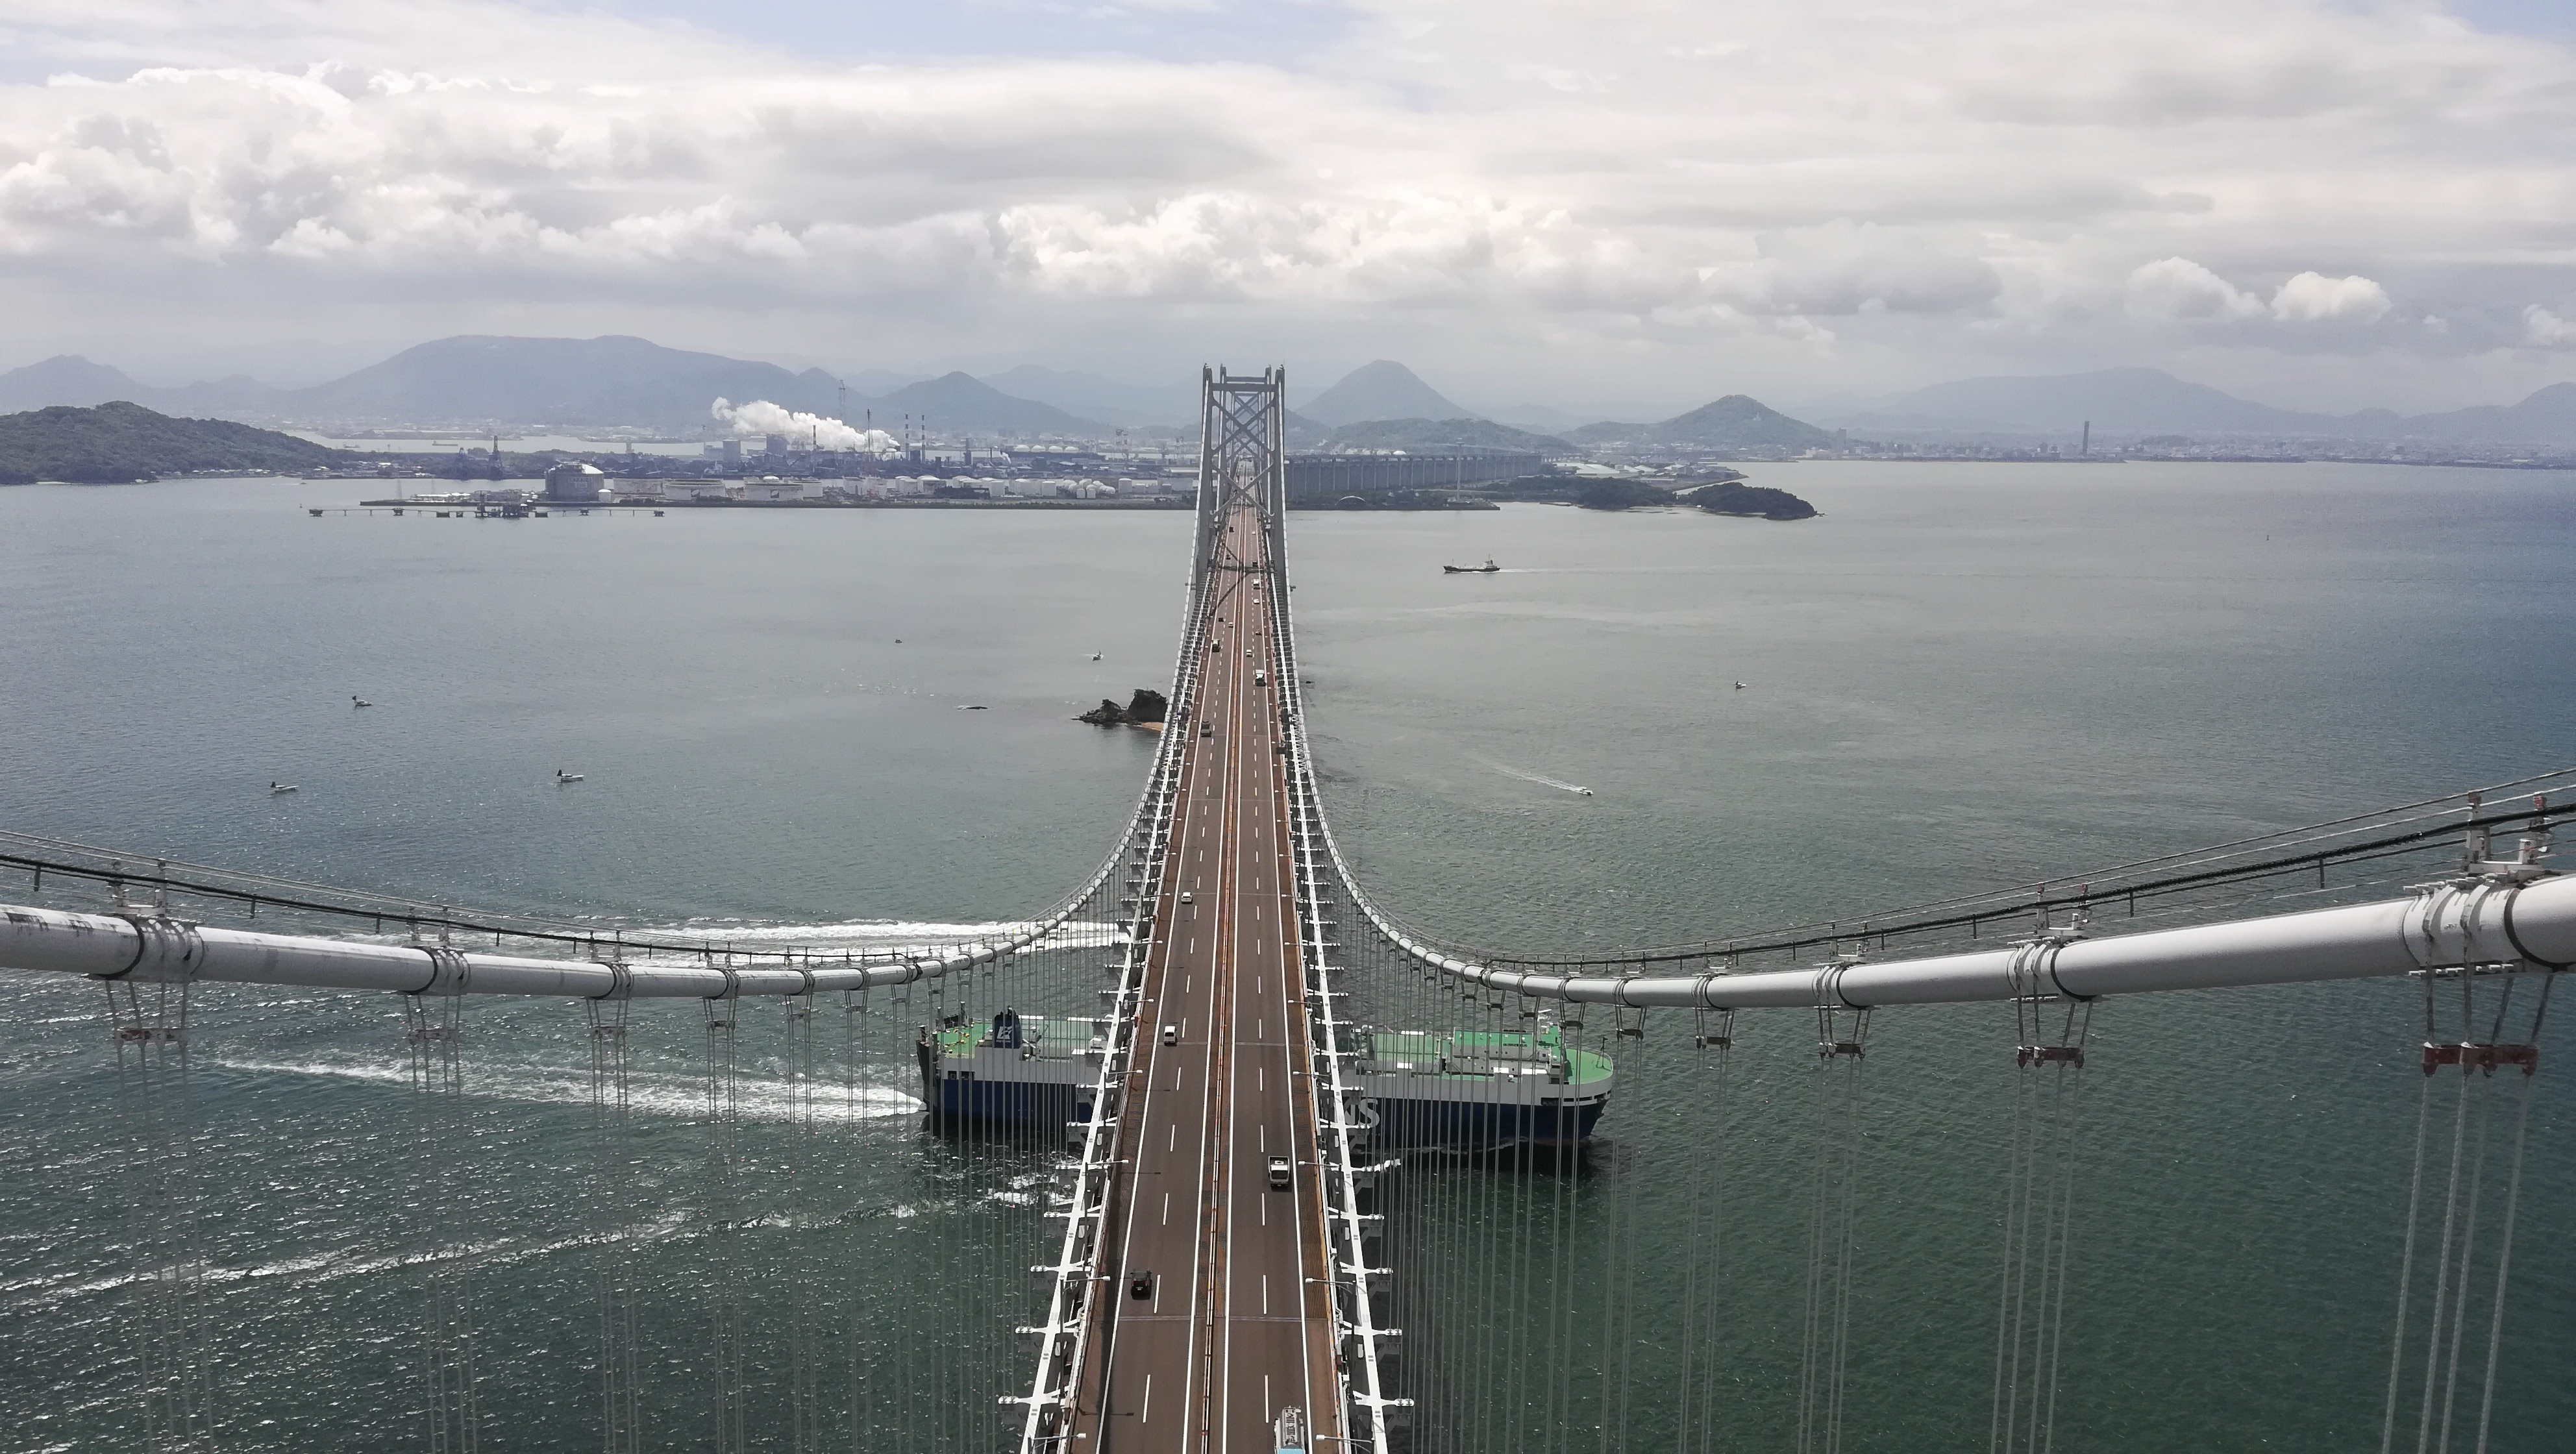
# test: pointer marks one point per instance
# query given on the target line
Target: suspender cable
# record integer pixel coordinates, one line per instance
(434, 1036)
(1631, 1188)
(156, 1112)
(1563, 1166)
(854, 1302)
(723, 1131)
(1604, 1176)
(611, 1205)
(1704, 1262)
(2512, 1203)
(2478, 1020)
(1841, 1043)
(1518, 1358)
(803, 1376)
(2038, 1211)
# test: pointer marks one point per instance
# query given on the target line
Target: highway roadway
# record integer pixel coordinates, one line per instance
(1236, 1323)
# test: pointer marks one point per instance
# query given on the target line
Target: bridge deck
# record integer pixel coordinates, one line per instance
(1239, 1323)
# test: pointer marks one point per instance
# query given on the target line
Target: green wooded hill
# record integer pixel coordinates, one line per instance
(119, 443)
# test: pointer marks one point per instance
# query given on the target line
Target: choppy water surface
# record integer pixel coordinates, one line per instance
(1959, 676)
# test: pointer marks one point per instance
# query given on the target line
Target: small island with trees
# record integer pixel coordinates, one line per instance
(1734, 497)
(1724, 496)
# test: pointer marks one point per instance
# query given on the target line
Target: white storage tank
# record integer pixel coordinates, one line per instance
(572, 483)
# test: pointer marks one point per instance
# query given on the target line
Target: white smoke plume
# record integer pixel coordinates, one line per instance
(761, 417)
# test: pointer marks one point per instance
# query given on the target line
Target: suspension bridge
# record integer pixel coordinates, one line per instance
(1204, 1095)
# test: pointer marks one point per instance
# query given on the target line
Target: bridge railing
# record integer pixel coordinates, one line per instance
(1077, 1278)
(1342, 1109)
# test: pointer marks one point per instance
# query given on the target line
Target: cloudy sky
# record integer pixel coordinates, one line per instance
(1611, 205)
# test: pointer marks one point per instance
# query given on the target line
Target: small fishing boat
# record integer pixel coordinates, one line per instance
(562, 776)
(275, 788)
(1488, 568)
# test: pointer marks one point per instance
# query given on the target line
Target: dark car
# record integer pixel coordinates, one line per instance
(1141, 1286)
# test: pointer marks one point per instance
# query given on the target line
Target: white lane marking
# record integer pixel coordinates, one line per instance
(1167, 1209)
(1172, 1143)
(1265, 1312)
(1261, 1134)
(1145, 1411)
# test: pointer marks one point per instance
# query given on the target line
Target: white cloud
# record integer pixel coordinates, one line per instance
(2544, 329)
(2315, 298)
(1854, 178)
(2178, 289)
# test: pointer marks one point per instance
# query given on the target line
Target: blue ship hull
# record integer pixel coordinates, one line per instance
(1002, 1100)
(1464, 1125)
(1478, 1125)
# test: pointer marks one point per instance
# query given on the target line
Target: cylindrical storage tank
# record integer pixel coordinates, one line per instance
(573, 483)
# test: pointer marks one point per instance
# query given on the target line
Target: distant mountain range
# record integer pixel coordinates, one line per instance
(961, 401)
(72, 380)
(1107, 400)
(1384, 389)
(2133, 402)
(474, 380)
(617, 381)
(570, 381)
(1734, 422)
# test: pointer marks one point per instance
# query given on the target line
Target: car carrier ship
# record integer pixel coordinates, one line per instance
(1461, 1089)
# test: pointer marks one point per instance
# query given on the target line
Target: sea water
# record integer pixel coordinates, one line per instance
(1958, 677)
